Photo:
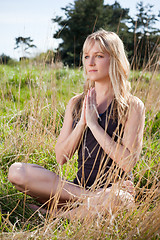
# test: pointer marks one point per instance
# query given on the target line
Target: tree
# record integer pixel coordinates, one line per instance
(25, 44)
(145, 19)
(4, 59)
(82, 18)
(146, 36)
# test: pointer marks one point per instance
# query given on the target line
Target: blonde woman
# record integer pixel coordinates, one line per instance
(105, 124)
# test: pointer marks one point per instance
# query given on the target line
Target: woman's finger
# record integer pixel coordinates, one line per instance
(94, 97)
(88, 102)
(84, 105)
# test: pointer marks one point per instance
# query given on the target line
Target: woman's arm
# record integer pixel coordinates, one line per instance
(127, 152)
(69, 138)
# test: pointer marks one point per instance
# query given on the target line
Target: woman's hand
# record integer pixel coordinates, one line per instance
(91, 113)
(82, 120)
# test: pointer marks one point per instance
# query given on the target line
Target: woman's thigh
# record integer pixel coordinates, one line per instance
(43, 184)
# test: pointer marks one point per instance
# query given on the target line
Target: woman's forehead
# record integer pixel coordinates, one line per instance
(90, 44)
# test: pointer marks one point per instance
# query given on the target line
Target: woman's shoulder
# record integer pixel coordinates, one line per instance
(136, 104)
(74, 100)
(136, 115)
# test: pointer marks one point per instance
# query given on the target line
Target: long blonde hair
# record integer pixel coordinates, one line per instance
(119, 68)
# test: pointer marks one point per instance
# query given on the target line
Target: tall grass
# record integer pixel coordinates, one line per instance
(33, 100)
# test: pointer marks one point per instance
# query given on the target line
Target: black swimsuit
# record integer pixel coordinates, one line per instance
(93, 162)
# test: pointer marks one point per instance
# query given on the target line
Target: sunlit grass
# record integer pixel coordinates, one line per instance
(33, 101)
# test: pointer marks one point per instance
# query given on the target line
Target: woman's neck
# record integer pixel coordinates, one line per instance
(104, 91)
(104, 95)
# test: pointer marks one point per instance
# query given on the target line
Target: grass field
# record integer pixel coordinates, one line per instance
(32, 105)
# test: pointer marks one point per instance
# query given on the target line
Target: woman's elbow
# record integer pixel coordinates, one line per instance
(128, 167)
(60, 160)
(128, 161)
(59, 157)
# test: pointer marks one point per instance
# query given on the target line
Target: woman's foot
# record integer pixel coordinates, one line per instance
(36, 208)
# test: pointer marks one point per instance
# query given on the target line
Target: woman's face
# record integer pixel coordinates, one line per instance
(96, 63)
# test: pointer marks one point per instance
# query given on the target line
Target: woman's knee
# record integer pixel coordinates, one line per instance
(17, 174)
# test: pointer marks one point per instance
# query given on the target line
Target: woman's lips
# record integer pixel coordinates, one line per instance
(92, 70)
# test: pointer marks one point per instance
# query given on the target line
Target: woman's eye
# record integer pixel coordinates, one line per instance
(99, 56)
(86, 57)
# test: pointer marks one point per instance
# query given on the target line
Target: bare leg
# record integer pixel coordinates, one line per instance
(45, 185)
(109, 201)
(42, 184)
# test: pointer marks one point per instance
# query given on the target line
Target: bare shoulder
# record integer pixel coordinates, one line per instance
(71, 104)
(136, 105)
(73, 100)
(133, 132)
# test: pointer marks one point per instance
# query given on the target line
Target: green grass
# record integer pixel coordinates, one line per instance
(32, 105)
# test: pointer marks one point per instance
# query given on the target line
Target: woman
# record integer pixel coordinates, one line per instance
(105, 124)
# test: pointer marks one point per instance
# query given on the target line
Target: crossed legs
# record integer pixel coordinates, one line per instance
(48, 187)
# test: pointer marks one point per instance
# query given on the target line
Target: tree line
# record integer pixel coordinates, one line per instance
(139, 35)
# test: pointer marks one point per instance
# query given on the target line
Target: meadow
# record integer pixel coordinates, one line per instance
(33, 98)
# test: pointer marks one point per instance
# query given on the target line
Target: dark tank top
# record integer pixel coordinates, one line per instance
(93, 162)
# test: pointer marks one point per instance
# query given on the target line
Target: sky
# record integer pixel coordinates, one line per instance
(32, 18)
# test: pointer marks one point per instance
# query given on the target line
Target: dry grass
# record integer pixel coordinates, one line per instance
(29, 130)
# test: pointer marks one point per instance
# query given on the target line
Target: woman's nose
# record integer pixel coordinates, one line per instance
(92, 61)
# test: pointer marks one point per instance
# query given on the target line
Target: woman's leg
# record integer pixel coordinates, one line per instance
(109, 200)
(45, 185)
(42, 184)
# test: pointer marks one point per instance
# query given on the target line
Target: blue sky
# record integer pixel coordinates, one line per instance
(33, 18)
